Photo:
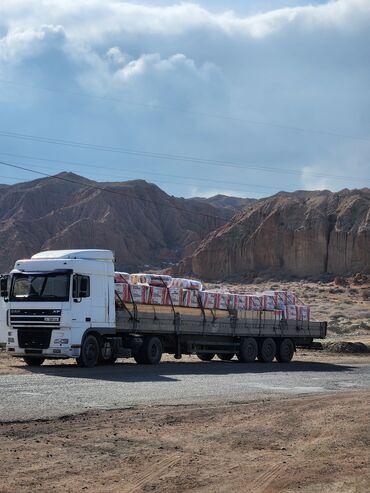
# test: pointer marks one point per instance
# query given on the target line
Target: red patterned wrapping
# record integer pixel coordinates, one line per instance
(176, 296)
(222, 301)
(268, 301)
(190, 298)
(157, 295)
(255, 302)
(178, 282)
(122, 291)
(290, 312)
(121, 277)
(241, 302)
(139, 292)
(208, 299)
(303, 313)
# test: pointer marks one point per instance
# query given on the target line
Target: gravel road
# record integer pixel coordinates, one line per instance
(63, 390)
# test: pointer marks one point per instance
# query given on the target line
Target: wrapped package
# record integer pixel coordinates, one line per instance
(121, 277)
(222, 301)
(254, 302)
(138, 293)
(290, 312)
(158, 280)
(122, 291)
(303, 313)
(186, 283)
(208, 299)
(151, 279)
(233, 301)
(190, 298)
(174, 294)
(268, 301)
(241, 302)
(157, 295)
(283, 298)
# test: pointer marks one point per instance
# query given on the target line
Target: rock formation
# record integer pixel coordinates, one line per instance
(301, 234)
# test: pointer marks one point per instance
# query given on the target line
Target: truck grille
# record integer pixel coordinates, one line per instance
(30, 318)
(35, 338)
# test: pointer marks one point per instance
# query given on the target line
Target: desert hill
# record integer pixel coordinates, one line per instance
(301, 233)
(136, 219)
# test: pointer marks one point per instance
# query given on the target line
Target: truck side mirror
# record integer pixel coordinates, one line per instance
(4, 286)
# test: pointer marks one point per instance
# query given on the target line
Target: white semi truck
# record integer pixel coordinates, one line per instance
(62, 304)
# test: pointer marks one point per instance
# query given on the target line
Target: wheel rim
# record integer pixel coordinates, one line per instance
(268, 350)
(154, 351)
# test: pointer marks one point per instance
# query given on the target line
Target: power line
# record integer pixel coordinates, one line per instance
(116, 192)
(135, 197)
(193, 112)
(171, 157)
(75, 163)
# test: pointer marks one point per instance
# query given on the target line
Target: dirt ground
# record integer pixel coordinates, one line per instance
(307, 444)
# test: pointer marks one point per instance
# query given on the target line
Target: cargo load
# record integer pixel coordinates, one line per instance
(163, 290)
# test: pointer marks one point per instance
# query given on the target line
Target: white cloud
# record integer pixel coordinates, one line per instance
(20, 43)
(304, 66)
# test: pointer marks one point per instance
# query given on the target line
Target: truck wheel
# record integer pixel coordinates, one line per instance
(248, 350)
(206, 356)
(285, 351)
(225, 356)
(33, 361)
(267, 350)
(106, 354)
(90, 351)
(150, 352)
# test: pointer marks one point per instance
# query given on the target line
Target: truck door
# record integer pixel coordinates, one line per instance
(81, 296)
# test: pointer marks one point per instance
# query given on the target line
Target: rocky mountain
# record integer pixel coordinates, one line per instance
(301, 234)
(141, 223)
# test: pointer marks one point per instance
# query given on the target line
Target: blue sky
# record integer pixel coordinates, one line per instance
(244, 98)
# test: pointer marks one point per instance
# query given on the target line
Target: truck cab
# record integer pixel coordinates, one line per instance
(55, 299)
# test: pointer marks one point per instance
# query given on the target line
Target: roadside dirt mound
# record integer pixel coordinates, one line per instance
(346, 347)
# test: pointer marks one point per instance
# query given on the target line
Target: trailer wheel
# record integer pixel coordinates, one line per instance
(33, 361)
(90, 351)
(206, 356)
(248, 350)
(150, 352)
(225, 356)
(267, 350)
(285, 351)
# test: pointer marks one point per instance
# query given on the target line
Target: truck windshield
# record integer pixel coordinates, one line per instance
(40, 287)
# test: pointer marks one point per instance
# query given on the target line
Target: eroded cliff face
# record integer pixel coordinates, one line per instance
(300, 233)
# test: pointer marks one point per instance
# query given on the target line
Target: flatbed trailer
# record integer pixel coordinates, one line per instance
(209, 332)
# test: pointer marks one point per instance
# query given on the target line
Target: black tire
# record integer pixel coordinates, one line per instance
(248, 350)
(267, 350)
(225, 356)
(150, 352)
(105, 354)
(206, 356)
(285, 351)
(33, 361)
(90, 352)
